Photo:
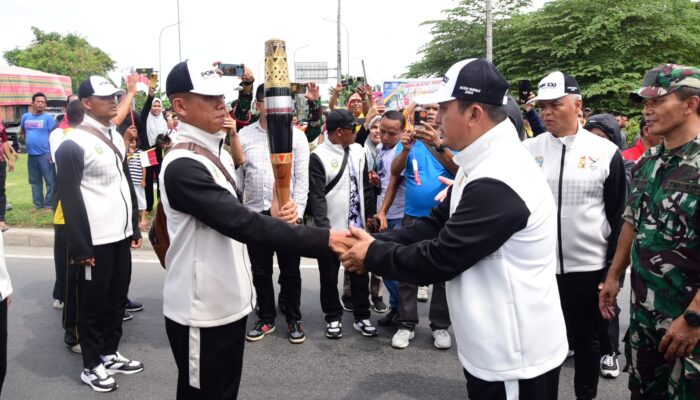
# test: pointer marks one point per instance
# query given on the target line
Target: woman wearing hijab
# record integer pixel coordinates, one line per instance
(152, 118)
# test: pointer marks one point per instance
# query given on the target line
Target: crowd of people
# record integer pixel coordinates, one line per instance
(519, 216)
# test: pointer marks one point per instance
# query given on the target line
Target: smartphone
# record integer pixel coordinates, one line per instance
(524, 89)
(297, 88)
(144, 71)
(360, 80)
(232, 69)
(154, 80)
(419, 116)
(347, 82)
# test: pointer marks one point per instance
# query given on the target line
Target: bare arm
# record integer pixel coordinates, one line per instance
(235, 147)
(334, 97)
(125, 103)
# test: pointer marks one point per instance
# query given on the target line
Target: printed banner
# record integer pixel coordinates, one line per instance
(398, 94)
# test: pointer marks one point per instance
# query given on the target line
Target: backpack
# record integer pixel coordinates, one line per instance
(158, 234)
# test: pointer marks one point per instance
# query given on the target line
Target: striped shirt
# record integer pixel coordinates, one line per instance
(135, 168)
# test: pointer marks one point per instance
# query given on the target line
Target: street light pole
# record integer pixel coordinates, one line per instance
(160, 37)
(179, 42)
(489, 30)
(347, 37)
(339, 68)
(294, 59)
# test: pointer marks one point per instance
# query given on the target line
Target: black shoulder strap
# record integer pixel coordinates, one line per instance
(335, 180)
(202, 151)
(102, 137)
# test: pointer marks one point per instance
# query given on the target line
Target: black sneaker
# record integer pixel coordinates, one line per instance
(365, 327)
(98, 379)
(334, 330)
(347, 303)
(259, 331)
(282, 303)
(389, 319)
(118, 364)
(378, 305)
(609, 367)
(133, 306)
(127, 316)
(296, 332)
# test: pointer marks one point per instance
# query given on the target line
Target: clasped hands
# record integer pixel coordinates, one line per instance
(351, 247)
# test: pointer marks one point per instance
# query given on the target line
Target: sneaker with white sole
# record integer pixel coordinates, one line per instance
(365, 327)
(57, 304)
(334, 330)
(609, 367)
(401, 338)
(118, 364)
(422, 294)
(75, 348)
(98, 379)
(442, 339)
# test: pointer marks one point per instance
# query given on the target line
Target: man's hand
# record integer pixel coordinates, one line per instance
(340, 241)
(131, 82)
(607, 298)
(679, 340)
(530, 105)
(354, 259)
(136, 243)
(230, 125)
(288, 212)
(130, 134)
(428, 135)
(338, 88)
(383, 223)
(313, 92)
(90, 262)
(443, 193)
(247, 75)
(363, 91)
(10, 165)
(374, 178)
(407, 140)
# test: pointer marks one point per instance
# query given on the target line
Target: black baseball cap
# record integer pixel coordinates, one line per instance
(196, 77)
(340, 119)
(474, 79)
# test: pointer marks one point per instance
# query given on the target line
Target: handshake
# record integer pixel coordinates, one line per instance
(351, 247)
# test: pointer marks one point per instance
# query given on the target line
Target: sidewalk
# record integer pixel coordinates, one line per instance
(35, 237)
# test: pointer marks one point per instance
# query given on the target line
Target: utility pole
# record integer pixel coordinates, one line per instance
(489, 31)
(339, 68)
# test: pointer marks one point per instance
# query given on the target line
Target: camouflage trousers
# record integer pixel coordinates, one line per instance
(651, 376)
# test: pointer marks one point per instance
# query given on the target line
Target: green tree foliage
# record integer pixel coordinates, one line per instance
(461, 35)
(606, 44)
(70, 55)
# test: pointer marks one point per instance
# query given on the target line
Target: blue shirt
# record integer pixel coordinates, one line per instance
(420, 199)
(37, 129)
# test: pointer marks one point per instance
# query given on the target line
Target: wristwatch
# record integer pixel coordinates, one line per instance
(441, 148)
(692, 318)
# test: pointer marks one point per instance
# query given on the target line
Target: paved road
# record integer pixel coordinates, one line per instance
(354, 367)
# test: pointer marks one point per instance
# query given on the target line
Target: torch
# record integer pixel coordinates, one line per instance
(278, 110)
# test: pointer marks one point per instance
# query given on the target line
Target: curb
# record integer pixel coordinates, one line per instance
(34, 237)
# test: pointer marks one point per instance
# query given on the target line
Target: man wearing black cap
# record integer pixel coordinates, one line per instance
(492, 239)
(340, 196)
(99, 206)
(206, 295)
(586, 175)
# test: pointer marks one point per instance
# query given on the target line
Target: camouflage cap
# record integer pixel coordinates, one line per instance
(664, 79)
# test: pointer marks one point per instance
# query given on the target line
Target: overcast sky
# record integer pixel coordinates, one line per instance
(385, 33)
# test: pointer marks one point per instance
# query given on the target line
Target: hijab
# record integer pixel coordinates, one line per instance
(155, 125)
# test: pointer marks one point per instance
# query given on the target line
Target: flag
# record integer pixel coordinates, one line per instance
(148, 158)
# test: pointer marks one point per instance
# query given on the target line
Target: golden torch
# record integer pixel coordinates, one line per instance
(278, 110)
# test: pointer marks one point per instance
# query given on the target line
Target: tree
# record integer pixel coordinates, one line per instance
(607, 45)
(460, 35)
(69, 55)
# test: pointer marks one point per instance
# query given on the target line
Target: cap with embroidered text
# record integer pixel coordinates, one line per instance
(556, 85)
(98, 86)
(474, 79)
(191, 76)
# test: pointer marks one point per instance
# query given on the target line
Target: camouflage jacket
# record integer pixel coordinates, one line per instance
(663, 210)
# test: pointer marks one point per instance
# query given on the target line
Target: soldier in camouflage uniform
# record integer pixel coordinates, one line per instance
(660, 232)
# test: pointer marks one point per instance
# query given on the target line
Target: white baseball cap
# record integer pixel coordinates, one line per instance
(191, 76)
(98, 86)
(556, 85)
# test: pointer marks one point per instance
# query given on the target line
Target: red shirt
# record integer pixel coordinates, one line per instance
(636, 152)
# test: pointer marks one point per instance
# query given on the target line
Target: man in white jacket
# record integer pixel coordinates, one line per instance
(586, 175)
(492, 240)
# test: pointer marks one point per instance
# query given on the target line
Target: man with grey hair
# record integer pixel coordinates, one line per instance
(586, 174)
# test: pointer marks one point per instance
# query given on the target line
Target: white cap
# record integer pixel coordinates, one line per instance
(98, 86)
(556, 85)
(193, 76)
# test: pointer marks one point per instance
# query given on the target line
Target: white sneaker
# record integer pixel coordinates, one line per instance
(609, 367)
(442, 339)
(422, 294)
(401, 338)
(57, 304)
(118, 364)
(98, 379)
